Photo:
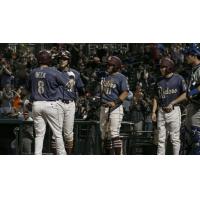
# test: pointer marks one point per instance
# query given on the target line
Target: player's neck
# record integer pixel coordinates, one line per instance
(196, 62)
(113, 73)
(66, 68)
(43, 66)
(169, 75)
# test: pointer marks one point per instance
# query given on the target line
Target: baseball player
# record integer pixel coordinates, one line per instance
(44, 85)
(68, 97)
(114, 90)
(192, 55)
(171, 91)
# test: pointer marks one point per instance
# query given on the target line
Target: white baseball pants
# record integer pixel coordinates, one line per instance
(47, 111)
(110, 125)
(67, 118)
(169, 122)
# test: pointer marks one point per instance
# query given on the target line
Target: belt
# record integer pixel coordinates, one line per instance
(165, 110)
(105, 105)
(66, 101)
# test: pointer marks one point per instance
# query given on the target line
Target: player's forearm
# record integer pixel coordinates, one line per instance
(155, 105)
(118, 101)
(123, 95)
(179, 99)
(7, 71)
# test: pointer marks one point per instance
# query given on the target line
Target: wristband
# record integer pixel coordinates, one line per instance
(118, 101)
(193, 92)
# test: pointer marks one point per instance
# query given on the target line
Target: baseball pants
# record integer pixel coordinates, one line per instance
(192, 124)
(110, 123)
(67, 117)
(192, 116)
(50, 112)
(171, 123)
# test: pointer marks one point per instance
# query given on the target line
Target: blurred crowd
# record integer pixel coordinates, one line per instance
(140, 65)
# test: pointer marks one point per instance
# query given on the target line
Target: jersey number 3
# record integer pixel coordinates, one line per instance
(40, 87)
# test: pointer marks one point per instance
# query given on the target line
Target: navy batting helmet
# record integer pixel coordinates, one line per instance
(192, 49)
(65, 54)
(168, 63)
(44, 57)
(116, 62)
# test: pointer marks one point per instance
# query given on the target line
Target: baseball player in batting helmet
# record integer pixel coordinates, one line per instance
(171, 89)
(68, 97)
(192, 56)
(114, 90)
(44, 83)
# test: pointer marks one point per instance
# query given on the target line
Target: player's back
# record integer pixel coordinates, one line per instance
(44, 83)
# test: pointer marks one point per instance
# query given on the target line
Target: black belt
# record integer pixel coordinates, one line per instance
(66, 101)
(105, 105)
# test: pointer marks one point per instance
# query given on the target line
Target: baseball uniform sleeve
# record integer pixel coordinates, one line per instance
(183, 85)
(124, 86)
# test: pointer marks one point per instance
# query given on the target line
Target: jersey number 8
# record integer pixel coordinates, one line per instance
(40, 87)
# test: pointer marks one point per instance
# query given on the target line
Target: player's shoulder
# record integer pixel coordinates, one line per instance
(53, 72)
(120, 76)
(74, 71)
(54, 68)
(33, 71)
(198, 69)
(178, 76)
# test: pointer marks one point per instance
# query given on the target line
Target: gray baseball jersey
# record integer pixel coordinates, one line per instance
(194, 83)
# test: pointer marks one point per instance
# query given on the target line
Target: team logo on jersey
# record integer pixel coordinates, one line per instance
(164, 92)
(107, 86)
(71, 82)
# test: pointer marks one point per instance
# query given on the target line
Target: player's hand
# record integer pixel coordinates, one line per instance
(153, 117)
(168, 108)
(111, 104)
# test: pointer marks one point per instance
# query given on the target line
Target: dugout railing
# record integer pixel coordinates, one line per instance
(87, 138)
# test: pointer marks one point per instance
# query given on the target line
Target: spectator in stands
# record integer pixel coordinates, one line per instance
(137, 109)
(17, 102)
(7, 95)
(27, 135)
(6, 75)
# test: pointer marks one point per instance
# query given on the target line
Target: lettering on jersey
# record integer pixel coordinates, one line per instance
(107, 86)
(163, 92)
(40, 75)
(71, 82)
